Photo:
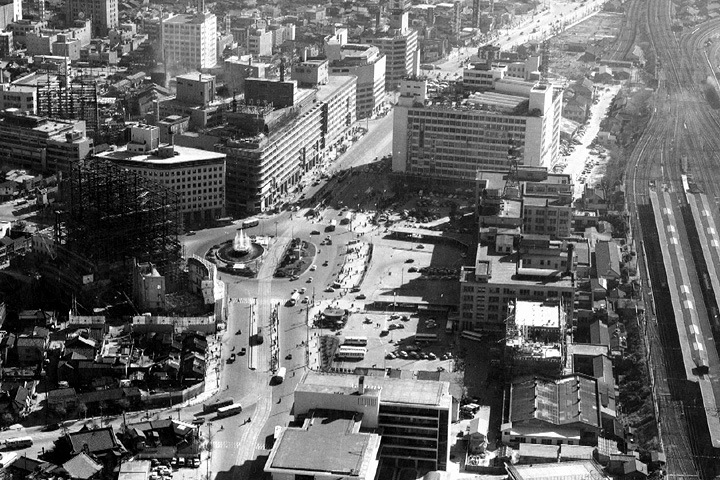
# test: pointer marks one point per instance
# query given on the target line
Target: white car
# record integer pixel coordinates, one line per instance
(313, 268)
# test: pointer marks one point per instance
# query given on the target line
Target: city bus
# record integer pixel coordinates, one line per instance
(426, 338)
(356, 341)
(472, 335)
(351, 352)
(18, 442)
(213, 407)
(230, 410)
(253, 222)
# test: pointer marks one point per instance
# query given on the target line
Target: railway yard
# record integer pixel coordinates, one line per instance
(673, 193)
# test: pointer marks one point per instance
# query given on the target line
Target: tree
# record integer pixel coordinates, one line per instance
(6, 419)
(123, 404)
(59, 411)
(81, 410)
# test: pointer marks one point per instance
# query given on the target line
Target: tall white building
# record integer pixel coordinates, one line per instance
(189, 40)
(451, 138)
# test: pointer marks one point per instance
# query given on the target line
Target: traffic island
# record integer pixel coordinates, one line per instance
(296, 259)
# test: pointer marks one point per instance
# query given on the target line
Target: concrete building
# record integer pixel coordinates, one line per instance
(400, 47)
(189, 40)
(238, 68)
(280, 133)
(198, 176)
(450, 138)
(195, 88)
(553, 412)
(329, 445)
(20, 97)
(367, 64)
(103, 13)
(414, 415)
(534, 338)
(22, 27)
(10, 11)
(42, 144)
(540, 269)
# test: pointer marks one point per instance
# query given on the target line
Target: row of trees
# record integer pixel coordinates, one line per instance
(61, 413)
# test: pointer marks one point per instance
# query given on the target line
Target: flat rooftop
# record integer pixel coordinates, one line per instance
(584, 469)
(536, 314)
(325, 445)
(187, 18)
(502, 269)
(392, 390)
(335, 83)
(182, 155)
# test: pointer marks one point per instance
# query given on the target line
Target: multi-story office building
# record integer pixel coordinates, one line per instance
(414, 415)
(368, 65)
(190, 40)
(237, 69)
(400, 47)
(449, 138)
(547, 216)
(280, 133)
(20, 97)
(539, 270)
(197, 176)
(102, 13)
(10, 11)
(42, 144)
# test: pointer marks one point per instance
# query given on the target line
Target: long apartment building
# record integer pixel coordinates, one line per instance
(412, 415)
(42, 144)
(367, 64)
(280, 133)
(540, 269)
(190, 40)
(450, 137)
(197, 176)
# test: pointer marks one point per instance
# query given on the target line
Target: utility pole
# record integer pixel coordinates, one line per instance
(209, 449)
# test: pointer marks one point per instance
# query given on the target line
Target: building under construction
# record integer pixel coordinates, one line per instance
(77, 100)
(113, 216)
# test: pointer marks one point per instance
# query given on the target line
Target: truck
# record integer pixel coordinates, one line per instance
(294, 298)
(213, 407)
(279, 377)
(229, 410)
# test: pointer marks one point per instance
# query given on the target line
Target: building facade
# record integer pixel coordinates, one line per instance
(197, 176)
(400, 47)
(42, 144)
(190, 40)
(368, 65)
(538, 270)
(451, 138)
(102, 13)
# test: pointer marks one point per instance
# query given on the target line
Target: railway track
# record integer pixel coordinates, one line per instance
(683, 124)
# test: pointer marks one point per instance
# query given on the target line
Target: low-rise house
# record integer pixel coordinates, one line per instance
(82, 467)
(31, 347)
(100, 443)
(65, 398)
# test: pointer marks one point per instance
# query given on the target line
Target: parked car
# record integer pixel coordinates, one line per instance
(232, 358)
(243, 351)
(361, 297)
(410, 260)
(329, 289)
(313, 268)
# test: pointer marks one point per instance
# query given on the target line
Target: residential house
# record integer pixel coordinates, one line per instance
(594, 198)
(83, 467)
(16, 400)
(65, 398)
(193, 366)
(31, 347)
(26, 468)
(100, 443)
(8, 189)
(607, 261)
(99, 400)
(577, 109)
(39, 318)
(81, 345)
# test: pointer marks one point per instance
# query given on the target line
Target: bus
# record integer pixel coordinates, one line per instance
(356, 341)
(253, 222)
(279, 377)
(18, 442)
(426, 338)
(449, 326)
(351, 352)
(230, 410)
(213, 407)
(293, 299)
(470, 335)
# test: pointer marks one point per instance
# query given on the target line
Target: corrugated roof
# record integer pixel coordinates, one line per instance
(568, 400)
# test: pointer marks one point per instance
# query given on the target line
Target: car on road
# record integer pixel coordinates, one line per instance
(313, 268)
(51, 426)
(191, 232)
(243, 351)
(329, 289)
(325, 263)
(432, 356)
(309, 280)
(302, 291)
(361, 297)
(231, 359)
(412, 270)
(315, 232)
(410, 260)
(288, 356)
(197, 421)
(421, 246)
(390, 356)
(305, 299)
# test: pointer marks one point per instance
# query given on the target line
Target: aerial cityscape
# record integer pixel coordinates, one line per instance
(381, 240)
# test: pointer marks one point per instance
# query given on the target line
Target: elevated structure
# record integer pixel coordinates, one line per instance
(114, 216)
(535, 338)
(77, 101)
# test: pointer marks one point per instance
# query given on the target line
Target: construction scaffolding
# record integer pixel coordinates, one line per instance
(114, 216)
(75, 101)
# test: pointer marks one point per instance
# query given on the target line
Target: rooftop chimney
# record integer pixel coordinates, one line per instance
(361, 385)
(570, 251)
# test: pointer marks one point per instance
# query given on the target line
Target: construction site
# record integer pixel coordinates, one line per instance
(113, 217)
